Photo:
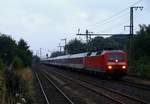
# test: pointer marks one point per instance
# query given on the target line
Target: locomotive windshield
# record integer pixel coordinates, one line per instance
(116, 56)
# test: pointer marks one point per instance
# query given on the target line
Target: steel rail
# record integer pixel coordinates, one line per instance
(89, 88)
(111, 90)
(119, 93)
(45, 96)
(136, 85)
(70, 101)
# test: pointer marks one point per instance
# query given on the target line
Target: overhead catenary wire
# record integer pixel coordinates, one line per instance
(110, 21)
(114, 26)
(116, 22)
(114, 15)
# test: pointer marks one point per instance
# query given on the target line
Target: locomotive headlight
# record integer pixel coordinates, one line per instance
(109, 67)
(123, 67)
(116, 60)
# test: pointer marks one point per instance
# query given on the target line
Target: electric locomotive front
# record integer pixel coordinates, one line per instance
(116, 64)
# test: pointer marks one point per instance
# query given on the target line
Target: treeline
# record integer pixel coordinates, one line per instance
(96, 44)
(14, 58)
(14, 54)
(140, 52)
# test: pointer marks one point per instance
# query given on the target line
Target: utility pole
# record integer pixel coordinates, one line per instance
(40, 52)
(132, 26)
(131, 18)
(131, 21)
(87, 34)
(50, 52)
(60, 47)
(37, 53)
(87, 37)
(65, 39)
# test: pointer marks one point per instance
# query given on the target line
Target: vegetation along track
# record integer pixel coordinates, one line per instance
(51, 93)
(114, 95)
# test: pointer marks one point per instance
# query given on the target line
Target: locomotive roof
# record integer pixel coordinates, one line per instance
(93, 54)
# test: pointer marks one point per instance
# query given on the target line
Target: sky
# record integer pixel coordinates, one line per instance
(43, 23)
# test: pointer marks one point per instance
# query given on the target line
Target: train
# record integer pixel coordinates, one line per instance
(111, 63)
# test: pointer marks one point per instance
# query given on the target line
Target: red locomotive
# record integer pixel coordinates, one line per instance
(113, 63)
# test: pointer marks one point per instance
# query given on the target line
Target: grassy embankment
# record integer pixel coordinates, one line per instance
(26, 83)
(17, 87)
(2, 88)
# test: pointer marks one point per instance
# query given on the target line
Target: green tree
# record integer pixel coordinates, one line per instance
(35, 60)
(100, 43)
(75, 46)
(141, 51)
(23, 45)
(2, 66)
(141, 46)
(57, 53)
(120, 40)
(8, 49)
(17, 63)
(24, 53)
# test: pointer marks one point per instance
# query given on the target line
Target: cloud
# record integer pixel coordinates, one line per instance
(44, 22)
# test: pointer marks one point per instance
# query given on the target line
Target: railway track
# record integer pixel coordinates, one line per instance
(111, 94)
(134, 84)
(52, 94)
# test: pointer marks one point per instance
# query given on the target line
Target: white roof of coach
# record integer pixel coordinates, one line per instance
(44, 59)
(68, 56)
(78, 55)
(51, 58)
(111, 51)
(62, 57)
(93, 54)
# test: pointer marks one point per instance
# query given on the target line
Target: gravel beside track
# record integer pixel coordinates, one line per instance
(51, 94)
(139, 96)
(85, 89)
(38, 96)
(134, 83)
(110, 94)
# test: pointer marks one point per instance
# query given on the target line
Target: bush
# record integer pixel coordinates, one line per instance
(2, 66)
(144, 69)
(140, 67)
(17, 85)
(12, 83)
(17, 63)
(139, 58)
